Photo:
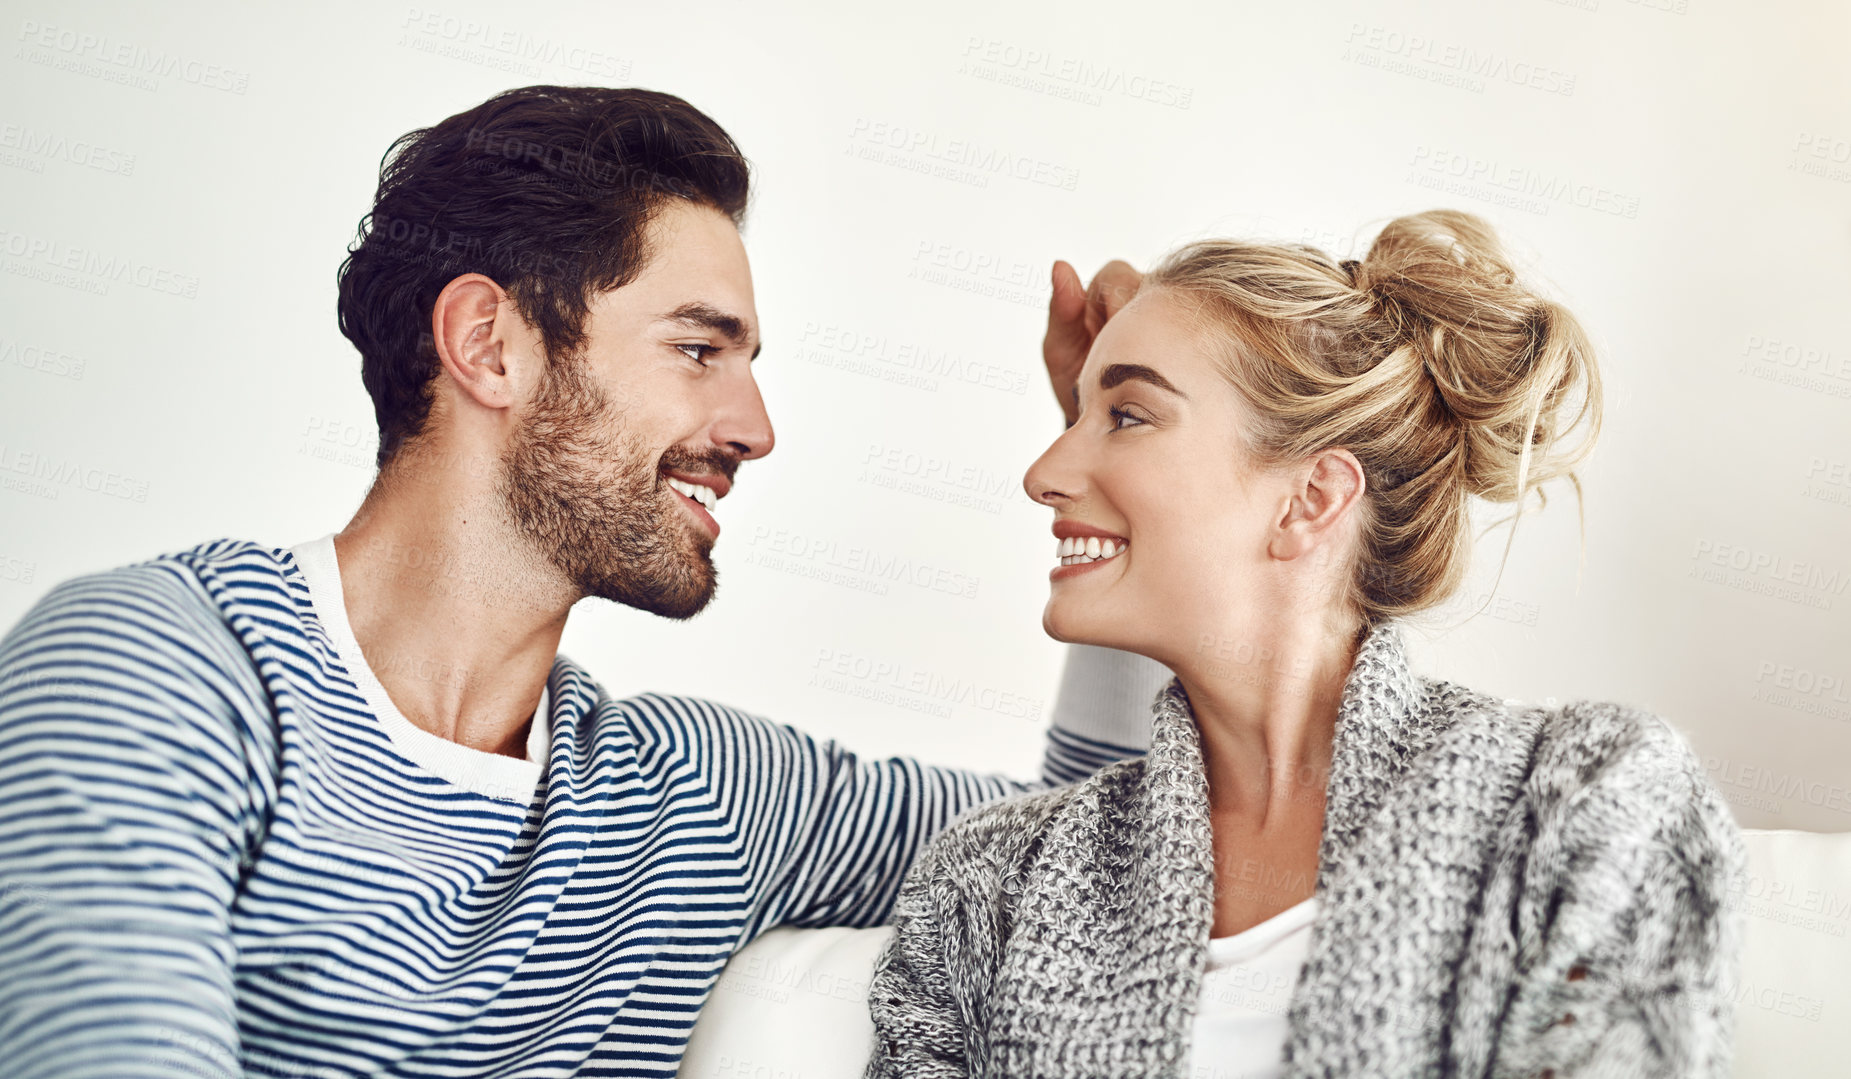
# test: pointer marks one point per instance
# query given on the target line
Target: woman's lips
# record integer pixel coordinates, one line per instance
(1063, 573)
(1071, 529)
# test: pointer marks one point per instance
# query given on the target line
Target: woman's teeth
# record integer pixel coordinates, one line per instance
(1074, 550)
(698, 492)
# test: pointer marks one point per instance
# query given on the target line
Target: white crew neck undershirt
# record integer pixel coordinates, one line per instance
(487, 773)
(1240, 1017)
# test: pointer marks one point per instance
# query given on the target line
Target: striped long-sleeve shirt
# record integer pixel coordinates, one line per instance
(224, 852)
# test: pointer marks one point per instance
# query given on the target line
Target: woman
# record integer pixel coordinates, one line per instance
(1271, 467)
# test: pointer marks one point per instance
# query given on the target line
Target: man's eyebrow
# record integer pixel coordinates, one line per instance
(710, 317)
(1136, 372)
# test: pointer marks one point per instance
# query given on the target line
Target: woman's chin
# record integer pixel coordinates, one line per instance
(1062, 625)
(1066, 624)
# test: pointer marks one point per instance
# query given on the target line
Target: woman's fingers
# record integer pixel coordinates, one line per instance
(1064, 347)
(1075, 316)
(1112, 288)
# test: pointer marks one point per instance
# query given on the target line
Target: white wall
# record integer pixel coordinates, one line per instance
(1693, 159)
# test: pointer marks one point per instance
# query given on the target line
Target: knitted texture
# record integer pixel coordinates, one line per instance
(1503, 891)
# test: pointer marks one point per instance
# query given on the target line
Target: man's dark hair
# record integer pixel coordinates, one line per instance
(548, 190)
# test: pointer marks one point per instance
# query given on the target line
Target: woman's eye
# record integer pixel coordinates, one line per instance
(699, 355)
(1118, 414)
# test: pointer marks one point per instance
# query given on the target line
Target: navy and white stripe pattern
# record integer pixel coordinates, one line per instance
(213, 861)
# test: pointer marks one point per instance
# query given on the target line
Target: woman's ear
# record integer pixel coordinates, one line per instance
(1325, 490)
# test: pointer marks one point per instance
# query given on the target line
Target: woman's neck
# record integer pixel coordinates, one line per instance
(1267, 716)
(1266, 706)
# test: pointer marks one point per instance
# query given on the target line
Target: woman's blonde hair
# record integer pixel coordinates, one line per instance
(1429, 360)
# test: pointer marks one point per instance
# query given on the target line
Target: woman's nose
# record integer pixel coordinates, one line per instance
(1050, 480)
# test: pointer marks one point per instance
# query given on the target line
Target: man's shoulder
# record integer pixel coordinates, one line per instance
(683, 726)
(683, 715)
(148, 645)
(659, 710)
(172, 590)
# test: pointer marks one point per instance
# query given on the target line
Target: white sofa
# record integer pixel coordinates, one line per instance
(793, 1005)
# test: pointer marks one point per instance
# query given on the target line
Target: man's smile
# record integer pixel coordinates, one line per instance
(700, 495)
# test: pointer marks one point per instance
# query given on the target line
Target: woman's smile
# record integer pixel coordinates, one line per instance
(1083, 547)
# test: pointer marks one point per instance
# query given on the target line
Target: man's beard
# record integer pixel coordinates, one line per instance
(589, 497)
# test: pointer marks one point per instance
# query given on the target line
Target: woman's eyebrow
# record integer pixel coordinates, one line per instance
(1136, 372)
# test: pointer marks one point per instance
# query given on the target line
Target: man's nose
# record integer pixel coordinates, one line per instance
(744, 425)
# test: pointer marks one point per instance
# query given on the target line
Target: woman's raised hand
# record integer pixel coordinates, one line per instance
(1075, 316)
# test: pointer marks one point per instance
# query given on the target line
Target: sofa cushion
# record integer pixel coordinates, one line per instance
(1792, 1008)
(793, 1003)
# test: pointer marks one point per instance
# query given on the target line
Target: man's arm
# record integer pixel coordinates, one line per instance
(849, 829)
(1102, 708)
(120, 835)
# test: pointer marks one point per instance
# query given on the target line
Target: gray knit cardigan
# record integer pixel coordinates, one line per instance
(1503, 891)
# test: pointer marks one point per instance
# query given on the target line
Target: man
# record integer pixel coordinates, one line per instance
(342, 808)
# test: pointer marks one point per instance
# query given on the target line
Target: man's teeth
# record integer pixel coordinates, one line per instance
(698, 492)
(1074, 549)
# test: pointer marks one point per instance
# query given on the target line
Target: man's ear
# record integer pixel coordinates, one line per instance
(1326, 488)
(478, 334)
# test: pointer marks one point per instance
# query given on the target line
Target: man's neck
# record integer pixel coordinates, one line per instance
(456, 616)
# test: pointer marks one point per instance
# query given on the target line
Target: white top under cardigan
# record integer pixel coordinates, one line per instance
(1240, 1016)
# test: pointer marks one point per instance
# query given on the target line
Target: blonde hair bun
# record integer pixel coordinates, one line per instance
(1429, 359)
(1501, 357)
